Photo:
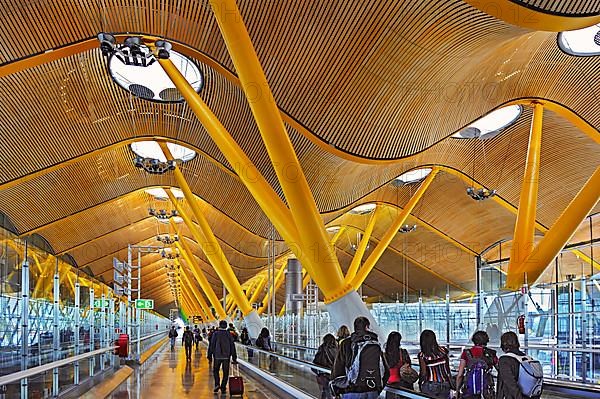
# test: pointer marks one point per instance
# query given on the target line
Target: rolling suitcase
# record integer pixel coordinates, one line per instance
(236, 383)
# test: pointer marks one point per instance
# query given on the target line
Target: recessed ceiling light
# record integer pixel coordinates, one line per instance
(491, 124)
(151, 82)
(581, 42)
(160, 194)
(151, 149)
(363, 209)
(413, 176)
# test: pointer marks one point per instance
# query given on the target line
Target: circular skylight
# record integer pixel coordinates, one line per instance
(151, 149)
(491, 124)
(581, 42)
(363, 209)
(160, 194)
(413, 176)
(151, 82)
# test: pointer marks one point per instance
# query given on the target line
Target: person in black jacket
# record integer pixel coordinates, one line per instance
(188, 340)
(344, 359)
(221, 349)
(325, 357)
(508, 368)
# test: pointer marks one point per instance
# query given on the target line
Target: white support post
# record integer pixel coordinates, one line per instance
(24, 321)
(55, 329)
(583, 318)
(138, 311)
(111, 327)
(103, 339)
(129, 307)
(76, 335)
(92, 323)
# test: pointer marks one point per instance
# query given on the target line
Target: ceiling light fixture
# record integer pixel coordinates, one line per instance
(407, 228)
(167, 239)
(132, 65)
(162, 214)
(480, 194)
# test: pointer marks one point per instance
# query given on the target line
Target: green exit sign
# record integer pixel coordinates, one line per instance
(101, 303)
(144, 303)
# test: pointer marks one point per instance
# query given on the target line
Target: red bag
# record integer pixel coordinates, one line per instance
(236, 383)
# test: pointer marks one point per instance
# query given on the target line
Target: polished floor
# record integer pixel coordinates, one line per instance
(168, 375)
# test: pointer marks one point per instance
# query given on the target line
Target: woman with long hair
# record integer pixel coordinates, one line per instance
(434, 378)
(342, 333)
(396, 357)
(325, 357)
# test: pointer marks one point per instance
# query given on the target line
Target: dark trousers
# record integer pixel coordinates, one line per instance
(188, 350)
(217, 363)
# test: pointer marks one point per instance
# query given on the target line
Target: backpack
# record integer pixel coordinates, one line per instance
(188, 338)
(366, 371)
(478, 380)
(531, 375)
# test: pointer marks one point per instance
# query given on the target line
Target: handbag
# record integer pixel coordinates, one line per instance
(408, 374)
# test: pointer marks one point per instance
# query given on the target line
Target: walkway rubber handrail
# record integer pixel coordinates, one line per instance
(14, 377)
(287, 388)
(149, 336)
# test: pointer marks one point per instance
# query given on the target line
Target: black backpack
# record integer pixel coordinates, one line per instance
(366, 370)
(188, 338)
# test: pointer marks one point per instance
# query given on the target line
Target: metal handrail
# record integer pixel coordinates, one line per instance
(19, 375)
(149, 336)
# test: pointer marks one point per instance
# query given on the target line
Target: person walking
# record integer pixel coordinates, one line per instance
(188, 340)
(477, 363)
(434, 378)
(197, 337)
(359, 370)
(221, 350)
(245, 337)
(325, 357)
(509, 384)
(172, 336)
(399, 362)
(342, 333)
(264, 340)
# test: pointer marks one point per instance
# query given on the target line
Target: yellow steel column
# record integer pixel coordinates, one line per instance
(210, 245)
(392, 231)
(192, 299)
(289, 172)
(523, 239)
(197, 294)
(279, 279)
(559, 234)
(258, 290)
(200, 277)
(362, 247)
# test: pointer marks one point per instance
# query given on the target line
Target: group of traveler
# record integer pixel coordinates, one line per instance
(188, 339)
(354, 366)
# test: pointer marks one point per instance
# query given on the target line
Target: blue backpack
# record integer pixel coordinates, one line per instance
(478, 380)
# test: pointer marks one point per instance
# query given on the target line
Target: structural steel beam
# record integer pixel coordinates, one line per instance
(197, 293)
(311, 230)
(279, 279)
(392, 231)
(259, 289)
(362, 247)
(201, 278)
(523, 239)
(559, 234)
(210, 245)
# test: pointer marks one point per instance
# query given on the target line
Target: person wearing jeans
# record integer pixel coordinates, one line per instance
(221, 350)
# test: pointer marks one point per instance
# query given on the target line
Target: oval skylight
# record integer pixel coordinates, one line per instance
(176, 219)
(333, 229)
(159, 193)
(413, 176)
(581, 42)
(363, 209)
(151, 149)
(151, 82)
(491, 124)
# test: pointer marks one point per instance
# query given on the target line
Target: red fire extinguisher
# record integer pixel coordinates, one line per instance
(521, 324)
(123, 345)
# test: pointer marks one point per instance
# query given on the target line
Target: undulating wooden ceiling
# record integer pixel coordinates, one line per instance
(368, 90)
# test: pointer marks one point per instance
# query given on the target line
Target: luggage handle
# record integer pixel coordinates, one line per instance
(235, 369)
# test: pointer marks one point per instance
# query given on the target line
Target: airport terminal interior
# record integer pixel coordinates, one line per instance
(293, 165)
